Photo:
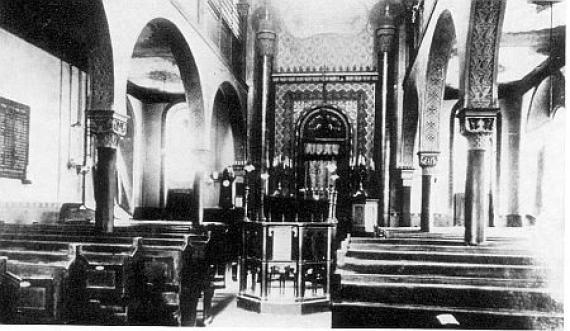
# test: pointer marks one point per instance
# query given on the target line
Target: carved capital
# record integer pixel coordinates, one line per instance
(428, 159)
(266, 43)
(478, 127)
(107, 126)
(266, 38)
(385, 36)
(242, 8)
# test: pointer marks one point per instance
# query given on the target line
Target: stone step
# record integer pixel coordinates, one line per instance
(443, 241)
(368, 266)
(347, 313)
(458, 256)
(454, 295)
(512, 250)
(455, 236)
(349, 278)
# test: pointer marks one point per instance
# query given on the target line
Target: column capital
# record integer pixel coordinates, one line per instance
(266, 38)
(386, 30)
(478, 126)
(385, 36)
(107, 126)
(428, 159)
(242, 8)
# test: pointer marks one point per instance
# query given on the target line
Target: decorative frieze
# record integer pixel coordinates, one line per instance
(107, 126)
(316, 76)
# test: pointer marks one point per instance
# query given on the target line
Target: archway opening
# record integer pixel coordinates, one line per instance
(166, 98)
(227, 141)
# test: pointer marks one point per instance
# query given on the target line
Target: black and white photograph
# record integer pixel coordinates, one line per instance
(369, 164)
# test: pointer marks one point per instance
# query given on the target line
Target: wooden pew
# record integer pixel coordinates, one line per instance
(43, 287)
(175, 267)
(6, 293)
(105, 277)
(152, 279)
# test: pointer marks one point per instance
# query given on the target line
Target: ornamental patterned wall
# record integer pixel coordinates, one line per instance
(294, 100)
(332, 51)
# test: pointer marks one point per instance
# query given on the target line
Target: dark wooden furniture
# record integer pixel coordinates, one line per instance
(286, 266)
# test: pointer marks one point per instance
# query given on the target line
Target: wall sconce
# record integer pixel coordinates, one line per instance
(80, 168)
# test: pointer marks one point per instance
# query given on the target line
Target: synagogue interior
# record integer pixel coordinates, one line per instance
(278, 163)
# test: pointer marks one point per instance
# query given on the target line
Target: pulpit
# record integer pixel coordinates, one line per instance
(286, 266)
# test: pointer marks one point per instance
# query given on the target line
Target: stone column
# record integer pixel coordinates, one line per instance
(404, 196)
(385, 39)
(511, 108)
(266, 51)
(108, 127)
(428, 161)
(477, 127)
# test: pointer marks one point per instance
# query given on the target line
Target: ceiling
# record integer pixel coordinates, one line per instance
(64, 28)
(527, 40)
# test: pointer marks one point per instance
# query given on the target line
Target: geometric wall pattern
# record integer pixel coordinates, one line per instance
(355, 100)
(334, 51)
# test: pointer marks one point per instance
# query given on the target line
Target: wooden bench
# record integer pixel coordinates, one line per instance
(172, 270)
(43, 287)
(117, 279)
(106, 269)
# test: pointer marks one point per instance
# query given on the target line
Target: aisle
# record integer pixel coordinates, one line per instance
(226, 314)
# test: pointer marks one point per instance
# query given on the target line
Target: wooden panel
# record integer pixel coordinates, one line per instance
(14, 139)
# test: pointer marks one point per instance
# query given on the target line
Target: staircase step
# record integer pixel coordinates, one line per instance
(351, 278)
(441, 248)
(467, 296)
(460, 256)
(373, 314)
(368, 266)
(442, 241)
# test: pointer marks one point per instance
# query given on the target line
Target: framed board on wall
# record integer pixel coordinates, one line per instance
(14, 139)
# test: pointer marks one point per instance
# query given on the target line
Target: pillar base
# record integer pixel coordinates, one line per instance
(518, 220)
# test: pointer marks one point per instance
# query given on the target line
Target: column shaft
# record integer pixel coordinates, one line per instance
(426, 218)
(476, 197)
(428, 161)
(477, 126)
(403, 196)
(105, 188)
(108, 127)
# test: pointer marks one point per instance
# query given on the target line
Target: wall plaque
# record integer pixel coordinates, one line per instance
(14, 139)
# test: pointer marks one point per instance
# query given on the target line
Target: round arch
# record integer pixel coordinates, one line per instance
(410, 126)
(167, 37)
(323, 137)
(431, 102)
(227, 123)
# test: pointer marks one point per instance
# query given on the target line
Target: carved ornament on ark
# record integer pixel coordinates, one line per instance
(484, 37)
(107, 127)
(356, 100)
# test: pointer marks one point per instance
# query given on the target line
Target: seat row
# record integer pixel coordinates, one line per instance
(141, 275)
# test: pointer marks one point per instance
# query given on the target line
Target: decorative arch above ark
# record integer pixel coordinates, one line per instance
(323, 141)
(294, 101)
